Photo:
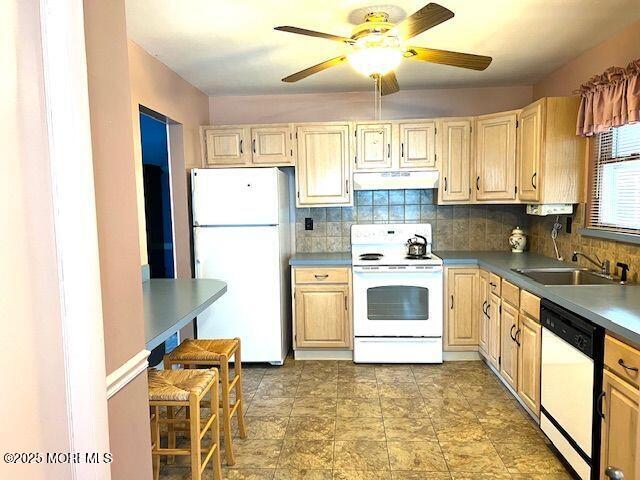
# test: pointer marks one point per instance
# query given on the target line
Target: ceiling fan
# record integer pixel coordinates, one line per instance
(377, 47)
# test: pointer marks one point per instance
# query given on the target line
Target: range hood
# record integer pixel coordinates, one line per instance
(396, 180)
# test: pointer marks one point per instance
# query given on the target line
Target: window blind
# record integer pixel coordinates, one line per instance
(614, 199)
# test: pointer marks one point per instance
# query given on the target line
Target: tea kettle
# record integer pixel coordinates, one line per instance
(415, 247)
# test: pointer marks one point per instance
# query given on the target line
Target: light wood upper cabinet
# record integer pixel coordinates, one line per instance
(418, 145)
(508, 346)
(551, 156)
(272, 145)
(454, 145)
(483, 303)
(226, 146)
(530, 151)
(495, 157)
(461, 302)
(493, 344)
(620, 426)
(322, 307)
(323, 166)
(373, 146)
(529, 362)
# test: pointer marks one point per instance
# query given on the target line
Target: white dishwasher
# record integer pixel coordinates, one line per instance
(571, 386)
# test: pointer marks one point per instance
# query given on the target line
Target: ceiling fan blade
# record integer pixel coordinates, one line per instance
(313, 33)
(427, 17)
(445, 57)
(389, 84)
(315, 69)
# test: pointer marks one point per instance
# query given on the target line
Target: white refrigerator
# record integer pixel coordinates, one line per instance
(241, 235)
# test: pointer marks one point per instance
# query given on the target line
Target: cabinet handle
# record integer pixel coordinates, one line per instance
(388, 150)
(346, 182)
(599, 403)
(253, 145)
(445, 184)
(533, 180)
(402, 149)
(478, 183)
(487, 312)
(626, 367)
(451, 302)
(346, 303)
(511, 333)
(321, 277)
(493, 285)
(484, 307)
(517, 338)
(241, 152)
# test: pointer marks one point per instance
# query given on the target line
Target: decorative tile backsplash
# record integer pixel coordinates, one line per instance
(459, 227)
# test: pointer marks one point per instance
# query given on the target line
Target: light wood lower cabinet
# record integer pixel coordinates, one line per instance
(461, 306)
(529, 361)
(322, 308)
(493, 344)
(483, 317)
(508, 345)
(619, 426)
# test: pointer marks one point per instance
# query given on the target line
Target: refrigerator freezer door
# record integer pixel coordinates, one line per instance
(251, 308)
(235, 196)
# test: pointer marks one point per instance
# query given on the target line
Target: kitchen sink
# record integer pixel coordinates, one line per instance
(566, 276)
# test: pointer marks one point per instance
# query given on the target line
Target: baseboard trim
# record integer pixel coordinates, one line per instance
(460, 356)
(323, 354)
(133, 367)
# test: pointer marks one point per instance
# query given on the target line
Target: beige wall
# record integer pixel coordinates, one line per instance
(159, 88)
(117, 218)
(618, 50)
(359, 105)
(33, 403)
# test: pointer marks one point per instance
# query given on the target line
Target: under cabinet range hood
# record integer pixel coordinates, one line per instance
(397, 180)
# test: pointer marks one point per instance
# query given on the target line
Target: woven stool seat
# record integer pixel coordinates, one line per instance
(177, 385)
(204, 349)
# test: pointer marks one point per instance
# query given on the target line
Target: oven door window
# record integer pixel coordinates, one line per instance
(398, 302)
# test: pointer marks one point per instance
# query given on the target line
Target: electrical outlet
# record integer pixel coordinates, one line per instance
(308, 223)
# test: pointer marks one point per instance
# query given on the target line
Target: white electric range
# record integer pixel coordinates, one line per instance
(397, 299)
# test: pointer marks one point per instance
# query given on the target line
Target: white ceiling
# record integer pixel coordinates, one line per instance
(230, 47)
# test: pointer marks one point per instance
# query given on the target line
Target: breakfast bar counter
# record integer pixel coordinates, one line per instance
(170, 304)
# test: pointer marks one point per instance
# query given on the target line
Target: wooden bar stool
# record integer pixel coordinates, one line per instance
(185, 388)
(193, 353)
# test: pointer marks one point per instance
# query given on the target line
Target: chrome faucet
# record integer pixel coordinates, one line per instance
(603, 265)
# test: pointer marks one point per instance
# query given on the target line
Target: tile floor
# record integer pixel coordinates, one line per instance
(341, 421)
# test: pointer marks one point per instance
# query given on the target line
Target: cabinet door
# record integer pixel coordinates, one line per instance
(462, 319)
(323, 166)
(373, 146)
(272, 145)
(483, 300)
(226, 146)
(620, 426)
(455, 160)
(493, 343)
(418, 145)
(496, 157)
(530, 151)
(529, 337)
(322, 316)
(508, 346)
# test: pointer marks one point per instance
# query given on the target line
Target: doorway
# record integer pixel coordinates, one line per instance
(157, 194)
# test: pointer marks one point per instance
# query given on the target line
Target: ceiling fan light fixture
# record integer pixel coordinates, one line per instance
(376, 54)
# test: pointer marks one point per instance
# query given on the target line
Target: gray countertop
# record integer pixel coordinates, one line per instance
(170, 304)
(312, 259)
(614, 307)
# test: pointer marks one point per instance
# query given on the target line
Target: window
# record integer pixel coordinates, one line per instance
(615, 181)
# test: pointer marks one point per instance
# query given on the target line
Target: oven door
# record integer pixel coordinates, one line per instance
(398, 302)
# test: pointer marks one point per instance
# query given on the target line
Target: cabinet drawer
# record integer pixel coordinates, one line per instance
(510, 294)
(617, 353)
(322, 275)
(494, 284)
(530, 305)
